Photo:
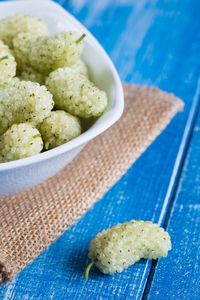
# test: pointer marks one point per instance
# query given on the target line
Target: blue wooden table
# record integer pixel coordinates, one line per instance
(153, 42)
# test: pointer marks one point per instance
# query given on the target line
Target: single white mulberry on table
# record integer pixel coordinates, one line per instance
(11, 26)
(20, 141)
(76, 94)
(119, 247)
(59, 128)
(23, 101)
(46, 54)
(7, 63)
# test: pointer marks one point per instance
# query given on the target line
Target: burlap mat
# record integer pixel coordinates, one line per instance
(32, 220)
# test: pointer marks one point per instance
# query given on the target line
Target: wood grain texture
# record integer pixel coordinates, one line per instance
(178, 276)
(154, 43)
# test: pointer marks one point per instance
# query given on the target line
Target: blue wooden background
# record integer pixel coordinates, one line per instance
(153, 42)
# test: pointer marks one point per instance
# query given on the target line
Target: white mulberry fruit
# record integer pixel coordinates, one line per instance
(28, 74)
(119, 247)
(11, 26)
(46, 54)
(80, 68)
(20, 141)
(59, 128)
(7, 63)
(23, 101)
(76, 94)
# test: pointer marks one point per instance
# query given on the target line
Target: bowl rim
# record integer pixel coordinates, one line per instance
(117, 109)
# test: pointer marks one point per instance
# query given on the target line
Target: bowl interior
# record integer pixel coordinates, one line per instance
(101, 69)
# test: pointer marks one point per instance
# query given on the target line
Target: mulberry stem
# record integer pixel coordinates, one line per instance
(81, 38)
(2, 58)
(37, 135)
(88, 269)
(46, 146)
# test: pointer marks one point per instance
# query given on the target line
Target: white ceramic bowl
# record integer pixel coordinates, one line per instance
(21, 174)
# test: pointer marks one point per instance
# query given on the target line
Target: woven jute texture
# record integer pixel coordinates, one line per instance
(32, 220)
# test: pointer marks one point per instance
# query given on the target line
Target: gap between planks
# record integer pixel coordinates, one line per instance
(175, 178)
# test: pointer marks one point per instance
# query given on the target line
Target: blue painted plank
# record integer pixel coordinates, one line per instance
(178, 276)
(147, 41)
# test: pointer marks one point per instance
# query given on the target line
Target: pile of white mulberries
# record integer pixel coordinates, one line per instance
(38, 75)
(119, 247)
